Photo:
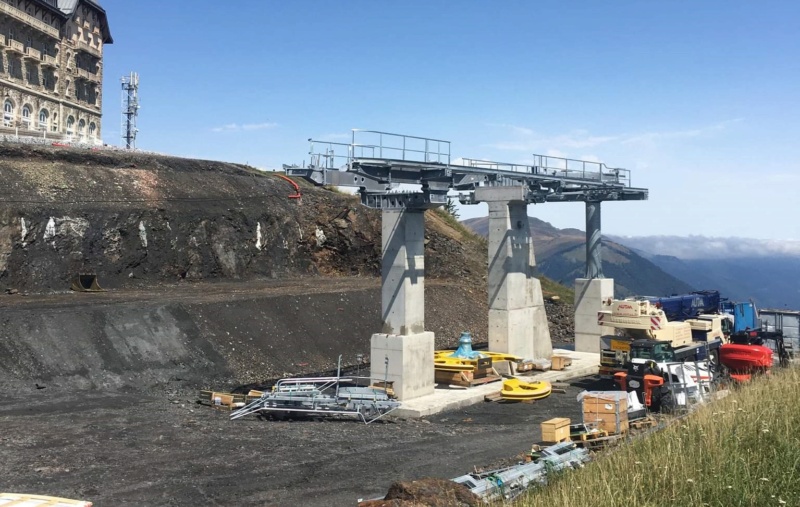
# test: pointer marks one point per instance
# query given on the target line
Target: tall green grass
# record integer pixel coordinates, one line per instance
(742, 450)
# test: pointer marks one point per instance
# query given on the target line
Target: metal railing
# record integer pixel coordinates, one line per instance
(581, 169)
(558, 167)
(324, 154)
(376, 144)
(379, 145)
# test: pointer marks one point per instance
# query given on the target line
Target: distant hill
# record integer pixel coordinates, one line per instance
(561, 255)
(766, 271)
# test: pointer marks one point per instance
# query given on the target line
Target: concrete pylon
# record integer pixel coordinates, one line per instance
(517, 318)
(591, 291)
(403, 339)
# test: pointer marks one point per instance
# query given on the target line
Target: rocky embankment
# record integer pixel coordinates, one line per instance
(160, 232)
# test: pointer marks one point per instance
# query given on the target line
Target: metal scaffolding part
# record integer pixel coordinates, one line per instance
(130, 109)
(325, 396)
(377, 162)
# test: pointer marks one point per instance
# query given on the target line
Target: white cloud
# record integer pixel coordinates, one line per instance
(703, 247)
(235, 127)
(680, 134)
(525, 139)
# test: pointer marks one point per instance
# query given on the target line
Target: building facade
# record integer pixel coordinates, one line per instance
(51, 68)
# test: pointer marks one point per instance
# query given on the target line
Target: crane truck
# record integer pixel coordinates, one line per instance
(644, 331)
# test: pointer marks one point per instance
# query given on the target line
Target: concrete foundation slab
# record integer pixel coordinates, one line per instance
(589, 297)
(410, 362)
(444, 398)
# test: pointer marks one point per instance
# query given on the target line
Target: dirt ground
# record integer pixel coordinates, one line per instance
(129, 449)
(100, 391)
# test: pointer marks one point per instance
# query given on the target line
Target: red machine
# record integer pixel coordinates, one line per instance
(745, 360)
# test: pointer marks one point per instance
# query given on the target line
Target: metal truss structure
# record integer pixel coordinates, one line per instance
(379, 162)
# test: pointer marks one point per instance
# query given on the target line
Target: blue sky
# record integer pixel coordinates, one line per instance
(698, 99)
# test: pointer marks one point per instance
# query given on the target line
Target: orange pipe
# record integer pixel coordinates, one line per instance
(296, 194)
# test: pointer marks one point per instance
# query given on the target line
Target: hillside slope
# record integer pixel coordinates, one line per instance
(561, 256)
(214, 273)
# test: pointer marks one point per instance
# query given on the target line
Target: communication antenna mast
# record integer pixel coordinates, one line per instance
(130, 109)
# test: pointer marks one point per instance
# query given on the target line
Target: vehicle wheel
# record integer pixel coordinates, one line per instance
(667, 404)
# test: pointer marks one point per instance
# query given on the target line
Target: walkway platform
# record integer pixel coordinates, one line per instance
(445, 398)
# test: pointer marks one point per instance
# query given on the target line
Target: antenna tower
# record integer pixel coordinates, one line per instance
(130, 109)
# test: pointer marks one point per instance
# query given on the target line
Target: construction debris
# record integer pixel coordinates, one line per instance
(508, 483)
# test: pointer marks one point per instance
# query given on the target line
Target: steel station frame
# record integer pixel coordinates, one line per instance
(378, 162)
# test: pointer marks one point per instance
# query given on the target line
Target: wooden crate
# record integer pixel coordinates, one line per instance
(555, 430)
(560, 362)
(604, 405)
(607, 411)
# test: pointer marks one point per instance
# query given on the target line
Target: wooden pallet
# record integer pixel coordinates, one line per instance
(227, 401)
(640, 424)
(494, 397)
(465, 378)
(498, 398)
(594, 444)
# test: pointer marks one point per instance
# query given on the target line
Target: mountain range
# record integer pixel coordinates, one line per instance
(766, 272)
(561, 256)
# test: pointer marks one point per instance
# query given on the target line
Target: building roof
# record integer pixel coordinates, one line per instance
(68, 7)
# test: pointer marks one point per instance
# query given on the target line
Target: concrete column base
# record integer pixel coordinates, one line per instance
(410, 362)
(589, 297)
(511, 332)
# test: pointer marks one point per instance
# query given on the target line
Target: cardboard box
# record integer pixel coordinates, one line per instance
(555, 430)
(222, 399)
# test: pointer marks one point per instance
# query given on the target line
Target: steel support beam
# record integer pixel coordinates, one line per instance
(594, 254)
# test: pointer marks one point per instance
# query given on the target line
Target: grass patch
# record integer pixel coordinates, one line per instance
(553, 288)
(458, 226)
(741, 450)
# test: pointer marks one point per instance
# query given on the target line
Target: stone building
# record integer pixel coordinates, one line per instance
(51, 68)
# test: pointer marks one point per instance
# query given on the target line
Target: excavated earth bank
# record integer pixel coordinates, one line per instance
(216, 279)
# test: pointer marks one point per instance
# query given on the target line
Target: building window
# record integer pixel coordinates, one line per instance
(81, 128)
(70, 125)
(92, 130)
(43, 117)
(55, 122)
(8, 113)
(26, 116)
